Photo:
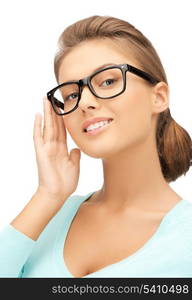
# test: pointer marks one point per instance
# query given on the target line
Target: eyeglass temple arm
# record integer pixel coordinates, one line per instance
(57, 102)
(142, 74)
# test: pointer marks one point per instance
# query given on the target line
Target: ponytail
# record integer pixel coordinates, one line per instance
(174, 147)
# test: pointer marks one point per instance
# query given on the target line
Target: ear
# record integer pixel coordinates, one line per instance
(160, 97)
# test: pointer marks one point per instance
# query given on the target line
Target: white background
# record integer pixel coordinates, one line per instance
(28, 39)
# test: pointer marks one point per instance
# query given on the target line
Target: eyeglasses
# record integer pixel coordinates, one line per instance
(105, 83)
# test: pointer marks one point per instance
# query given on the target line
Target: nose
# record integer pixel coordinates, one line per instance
(87, 99)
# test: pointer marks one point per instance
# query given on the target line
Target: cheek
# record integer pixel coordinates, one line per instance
(133, 118)
(71, 130)
(69, 125)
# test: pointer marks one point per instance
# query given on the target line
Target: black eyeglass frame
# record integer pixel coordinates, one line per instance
(87, 82)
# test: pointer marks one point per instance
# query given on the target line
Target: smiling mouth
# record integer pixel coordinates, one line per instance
(98, 129)
(109, 121)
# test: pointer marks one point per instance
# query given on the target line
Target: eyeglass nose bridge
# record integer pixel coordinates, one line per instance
(85, 82)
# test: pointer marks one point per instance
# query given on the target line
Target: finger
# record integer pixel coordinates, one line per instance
(37, 131)
(60, 129)
(62, 135)
(54, 119)
(48, 128)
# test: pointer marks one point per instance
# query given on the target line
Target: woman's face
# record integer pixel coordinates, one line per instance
(132, 111)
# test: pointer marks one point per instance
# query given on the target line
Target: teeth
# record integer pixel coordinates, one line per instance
(97, 125)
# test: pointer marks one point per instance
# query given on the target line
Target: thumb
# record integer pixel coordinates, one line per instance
(75, 155)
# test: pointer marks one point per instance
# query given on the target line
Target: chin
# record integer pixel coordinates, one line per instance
(101, 153)
(94, 154)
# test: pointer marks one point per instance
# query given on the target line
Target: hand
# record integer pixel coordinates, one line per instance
(58, 171)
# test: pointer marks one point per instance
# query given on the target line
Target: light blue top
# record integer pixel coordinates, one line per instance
(168, 253)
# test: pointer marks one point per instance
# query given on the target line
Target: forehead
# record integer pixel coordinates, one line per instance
(84, 58)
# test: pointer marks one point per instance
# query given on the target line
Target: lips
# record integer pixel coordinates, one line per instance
(93, 121)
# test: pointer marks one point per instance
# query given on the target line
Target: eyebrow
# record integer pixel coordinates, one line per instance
(103, 66)
(98, 68)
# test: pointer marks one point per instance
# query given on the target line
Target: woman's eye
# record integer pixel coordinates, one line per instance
(107, 82)
(72, 96)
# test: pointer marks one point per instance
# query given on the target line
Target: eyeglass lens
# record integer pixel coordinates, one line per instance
(105, 84)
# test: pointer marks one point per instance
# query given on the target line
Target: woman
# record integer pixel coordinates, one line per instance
(113, 98)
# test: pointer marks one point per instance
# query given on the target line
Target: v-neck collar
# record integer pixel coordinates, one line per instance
(62, 234)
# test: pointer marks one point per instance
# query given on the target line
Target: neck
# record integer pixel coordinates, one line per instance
(133, 178)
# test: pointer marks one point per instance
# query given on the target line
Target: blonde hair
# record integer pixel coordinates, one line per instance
(174, 144)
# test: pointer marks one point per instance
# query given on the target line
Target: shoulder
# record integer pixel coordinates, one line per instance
(179, 220)
(72, 204)
(63, 216)
(183, 228)
(184, 212)
(182, 219)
